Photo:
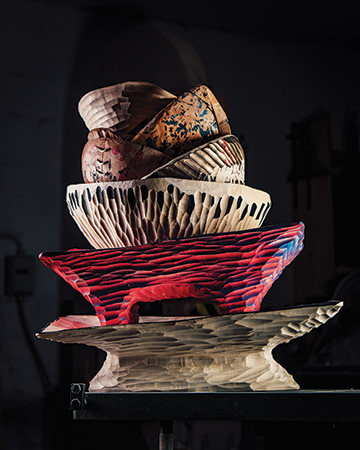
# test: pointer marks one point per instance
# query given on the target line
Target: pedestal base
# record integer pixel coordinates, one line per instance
(220, 353)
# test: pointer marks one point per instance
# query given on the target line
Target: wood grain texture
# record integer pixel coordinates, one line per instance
(232, 270)
(231, 352)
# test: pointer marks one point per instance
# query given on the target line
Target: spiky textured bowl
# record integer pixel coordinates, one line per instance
(124, 213)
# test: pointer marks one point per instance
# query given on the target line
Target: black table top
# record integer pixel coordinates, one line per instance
(284, 405)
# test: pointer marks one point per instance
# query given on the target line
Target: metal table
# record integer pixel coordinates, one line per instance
(335, 406)
(291, 405)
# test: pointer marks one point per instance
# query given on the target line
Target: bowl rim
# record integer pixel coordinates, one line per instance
(214, 188)
(195, 150)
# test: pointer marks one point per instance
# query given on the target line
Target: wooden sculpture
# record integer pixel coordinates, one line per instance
(123, 107)
(141, 211)
(224, 353)
(107, 157)
(232, 270)
(174, 227)
(115, 151)
(192, 119)
(221, 160)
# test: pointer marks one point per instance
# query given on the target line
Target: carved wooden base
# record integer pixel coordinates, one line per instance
(230, 352)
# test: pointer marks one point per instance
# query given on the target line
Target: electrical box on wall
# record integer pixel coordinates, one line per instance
(19, 275)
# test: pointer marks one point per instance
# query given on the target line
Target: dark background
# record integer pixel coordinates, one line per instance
(287, 75)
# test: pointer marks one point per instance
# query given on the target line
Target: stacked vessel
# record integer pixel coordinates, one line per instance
(172, 223)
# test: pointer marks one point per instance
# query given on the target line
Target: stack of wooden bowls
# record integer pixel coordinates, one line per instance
(165, 205)
(158, 166)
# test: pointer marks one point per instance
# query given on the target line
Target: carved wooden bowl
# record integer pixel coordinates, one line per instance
(123, 107)
(221, 160)
(193, 118)
(231, 352)
(124, 213)
(232, 272)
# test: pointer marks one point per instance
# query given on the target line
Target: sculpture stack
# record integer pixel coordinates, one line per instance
(175, 230)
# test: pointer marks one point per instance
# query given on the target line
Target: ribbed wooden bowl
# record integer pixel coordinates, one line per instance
(117, 214)
(221, 160)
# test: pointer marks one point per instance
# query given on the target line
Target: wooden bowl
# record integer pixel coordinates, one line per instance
(124, 213)
(107, 157)
(219, 273)
(123, 107)
(221, 160)
(192, 119)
